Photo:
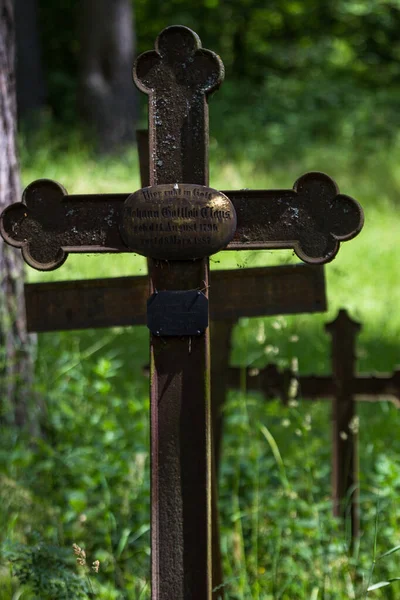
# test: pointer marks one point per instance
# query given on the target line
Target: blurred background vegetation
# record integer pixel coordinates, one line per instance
(310, 85)
(296, 71)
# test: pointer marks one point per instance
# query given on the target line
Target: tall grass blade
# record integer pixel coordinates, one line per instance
(381, 584)
(389, 552)
(277, 455)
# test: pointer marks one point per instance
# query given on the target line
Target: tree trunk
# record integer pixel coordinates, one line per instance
(16, 365)
(106, 92)
(31, 90)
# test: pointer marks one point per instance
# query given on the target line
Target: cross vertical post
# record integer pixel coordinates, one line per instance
(343, 331)
(177, 77)
(220, 337)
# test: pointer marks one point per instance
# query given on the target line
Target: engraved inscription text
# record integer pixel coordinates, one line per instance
(178, 221)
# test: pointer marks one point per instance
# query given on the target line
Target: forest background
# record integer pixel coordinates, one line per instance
(309, 85)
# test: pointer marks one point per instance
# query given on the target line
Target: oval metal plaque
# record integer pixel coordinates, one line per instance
(178, 221)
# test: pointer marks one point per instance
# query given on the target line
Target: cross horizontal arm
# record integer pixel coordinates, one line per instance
(49, 223)
(364, 386)
(311, 219)
(121, 301)
(274, 383)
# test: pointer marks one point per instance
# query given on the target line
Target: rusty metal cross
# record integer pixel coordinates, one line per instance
(177, 223)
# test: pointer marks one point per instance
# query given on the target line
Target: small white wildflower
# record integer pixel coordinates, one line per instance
(96, 566)
(81, 555)
(354, 425)
(261, 337)
(293, 390)
(271, 349)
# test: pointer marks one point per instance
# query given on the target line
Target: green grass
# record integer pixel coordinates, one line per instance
(87, 480)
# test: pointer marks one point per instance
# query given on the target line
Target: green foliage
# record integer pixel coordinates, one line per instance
(284, 115)
(46, 571)
(59, 33)
(300, 38)
(89, 471)
(286, 60)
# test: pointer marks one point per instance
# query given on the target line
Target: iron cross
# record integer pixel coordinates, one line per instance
(177, 223)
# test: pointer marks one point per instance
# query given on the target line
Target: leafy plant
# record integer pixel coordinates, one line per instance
(46, 571)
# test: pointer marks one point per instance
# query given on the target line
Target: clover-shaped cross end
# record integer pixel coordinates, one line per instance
(329, 218)
(29, 224)
(178, 49)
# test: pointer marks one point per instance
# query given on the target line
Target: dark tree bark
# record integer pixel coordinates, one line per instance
(106, 92)
(31, 90)
(16, 365)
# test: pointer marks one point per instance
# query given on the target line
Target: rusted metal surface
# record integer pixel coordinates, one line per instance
(178, 76)
(343, 331)
(48, 224)
(180, 456)
(312, 219)
(92, 303)
(268, 290)
(177, 221)
(367, 387)
(121, 301)
(289, 218)
(219, 380)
